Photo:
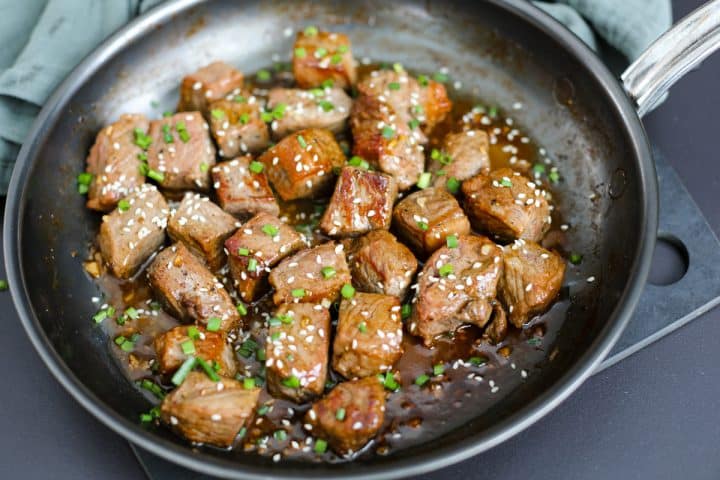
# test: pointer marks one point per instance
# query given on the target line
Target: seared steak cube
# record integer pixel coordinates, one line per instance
(425, 218)
(302, 164)
(463, 155)
(323, 56)
(133, 231)
(113, 162)
(188, 290)
(368, 339)
(362, 406)
(243, 191)
(387, 142)
(532, 280)
(380, 264)
(507, 205)
(237, 127)
(326, 108)
(297, 351)
(211, 82)
(255, 248)
(456, 287)
(313, 275)
(203, 227)
(205, 411)
(181, 153)
(362, 201)
(497, 328)
(210, 346)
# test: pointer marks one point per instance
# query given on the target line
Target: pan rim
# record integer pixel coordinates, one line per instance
(441, 456)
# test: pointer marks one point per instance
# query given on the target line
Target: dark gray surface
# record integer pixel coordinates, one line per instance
(650, 416)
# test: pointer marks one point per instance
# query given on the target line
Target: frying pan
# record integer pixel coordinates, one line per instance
(503, 51)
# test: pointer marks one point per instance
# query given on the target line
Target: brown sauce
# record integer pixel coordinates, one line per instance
(414, 414)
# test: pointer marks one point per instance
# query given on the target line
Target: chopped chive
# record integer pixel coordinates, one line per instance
(445, 270)
(328, 272)
(389, 381)
(249, 383)
(453, 185)
(286, 319)
(347, 291)
(554, 176)
(123, 205)
(301, 141)
(327, 83)
(422, 380)
(423, 226)
(263, 410)
(477, 361)
(142, 156)
(343, 49)
(152, 387)
(274, 322)
(311, 31)
(270, 229)
(438, 369)
(217, 113)
(326, 105)
(256, 167)
(298, 292)
(405, 311)
(266, 117)
(263, 75)
(275, 336)
(440, 77)
(193, 332)
(241, 308)
(336, 58)
(252, 265)
(291, 382)
(212, 374)
(340, 414)
(359, 162)
(575, 258)
(242, 432)
(260, 354)
(188, 347)
(142, 140)
(167, 114)
(320, 446)
(388, 132)
(213, 324)
(244, 118)
(243, 252)
(300, 52)
(506, 182)
(204, 167)
(280, 435)
(278, 112)
(451, 241)
(362, 326)
(183, 371)
(167, 136)
(534, 341)
(539, 168)
(131, 313)
(424, 180)
(239, 99)
(423, 80)
(182, 132)
(414, 123)
(493, 112)
(320, 52)
(394, 86)
(318, 92)
(398, 67)
(155, 175)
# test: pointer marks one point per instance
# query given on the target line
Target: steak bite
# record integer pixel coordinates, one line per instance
(210, 346)
(297, 351)
(456, 287)
(362, 201)
(181, 152)
(463, 155)
(381, 137)
(113, 162)
(496, 331)
(368, 339)
(531, 281)
(243, 190)
(202, 411)
(188, 290)
(203, 227)
(313, 275)
(425, 218)
(326, 108)
(302, 164)
(380, 264)
(211, 82)
(362, 406)
(237, 126)
(507, 205)
(133, 231)
(255, 248)
(321, 57)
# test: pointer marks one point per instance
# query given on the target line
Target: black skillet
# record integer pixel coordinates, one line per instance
(501, 51)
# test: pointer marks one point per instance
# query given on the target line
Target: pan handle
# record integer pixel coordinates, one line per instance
(672, 55)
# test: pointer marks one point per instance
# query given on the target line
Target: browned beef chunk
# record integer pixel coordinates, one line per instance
(209, 412)
(313, 275)
(507, 205)
(242, 191)
(321, 57)
(456, 287)
(255, 248)
(425, 218)
(409, 99)
(463, 155)
(237, 126)
(301, 165)
(380, 264)
(497, 328)
(183, 159)
(188, 290)
(368, 339)
(210, 346)
(326, 108)
(362, 201)
(113, 162)
(363, 405)
(532, 280)
(133, 231)
(211, 82)
(297, 351)
(203, 227)
(387, 142)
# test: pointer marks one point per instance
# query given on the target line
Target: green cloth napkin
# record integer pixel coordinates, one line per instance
(42, 40)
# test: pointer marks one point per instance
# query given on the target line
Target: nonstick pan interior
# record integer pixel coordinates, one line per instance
(498, 52)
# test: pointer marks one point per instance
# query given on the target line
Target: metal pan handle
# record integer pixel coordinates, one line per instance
(672, 55)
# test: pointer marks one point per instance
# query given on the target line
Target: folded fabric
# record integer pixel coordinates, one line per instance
(43, 40)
